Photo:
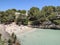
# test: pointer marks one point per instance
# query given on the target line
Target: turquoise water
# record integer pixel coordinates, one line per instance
(41, 37)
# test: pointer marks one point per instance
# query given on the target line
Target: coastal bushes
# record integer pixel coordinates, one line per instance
(0, 36)
(33, 15)
(13, 40)
(2, 42)
(57, 22)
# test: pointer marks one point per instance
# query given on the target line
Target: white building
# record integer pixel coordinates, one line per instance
(17, 14)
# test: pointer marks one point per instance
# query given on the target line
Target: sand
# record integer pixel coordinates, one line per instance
(13, 28)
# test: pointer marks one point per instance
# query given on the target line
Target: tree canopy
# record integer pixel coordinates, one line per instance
(35, 15)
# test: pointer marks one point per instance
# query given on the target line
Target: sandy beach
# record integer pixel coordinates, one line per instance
(13, 28)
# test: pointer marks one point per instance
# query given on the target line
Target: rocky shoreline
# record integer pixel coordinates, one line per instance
(7, 30)
(51, 26)
(13, 27)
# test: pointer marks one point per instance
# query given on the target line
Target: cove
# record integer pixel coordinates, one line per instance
(40, 37)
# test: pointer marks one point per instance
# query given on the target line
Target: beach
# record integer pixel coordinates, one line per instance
(13, 28)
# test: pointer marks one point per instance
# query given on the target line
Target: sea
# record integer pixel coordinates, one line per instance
(40, 37)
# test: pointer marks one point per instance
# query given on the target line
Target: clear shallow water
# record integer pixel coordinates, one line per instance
(41, 37)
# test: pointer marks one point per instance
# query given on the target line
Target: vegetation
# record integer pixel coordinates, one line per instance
(57, 22)
(2, 42)
(0, 36)
(35, 16)
(11, 40)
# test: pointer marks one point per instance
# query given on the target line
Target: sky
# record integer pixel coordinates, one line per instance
(26, 4)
